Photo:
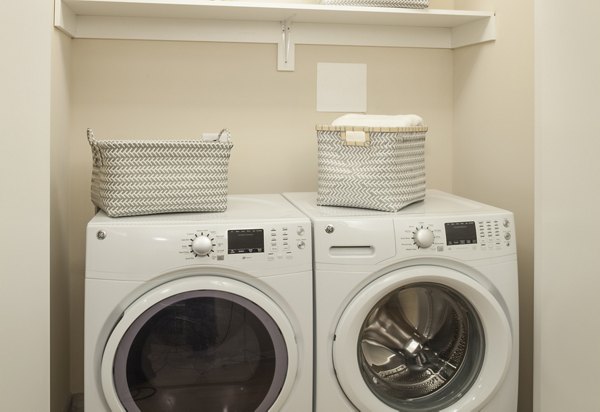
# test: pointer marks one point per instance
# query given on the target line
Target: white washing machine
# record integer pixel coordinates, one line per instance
(415, 310)
(208, 311)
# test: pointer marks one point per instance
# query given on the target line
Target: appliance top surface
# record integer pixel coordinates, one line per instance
(262, 207)
(436, 203)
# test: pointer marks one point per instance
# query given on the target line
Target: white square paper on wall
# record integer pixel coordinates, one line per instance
(341, 87)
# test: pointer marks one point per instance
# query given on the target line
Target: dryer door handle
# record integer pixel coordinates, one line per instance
(349, 251)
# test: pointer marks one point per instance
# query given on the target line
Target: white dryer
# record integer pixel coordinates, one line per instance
(415, 310)
(208, 311)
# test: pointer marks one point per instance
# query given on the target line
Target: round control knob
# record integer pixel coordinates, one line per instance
(202, 246)
(423, 238)
(301, 244)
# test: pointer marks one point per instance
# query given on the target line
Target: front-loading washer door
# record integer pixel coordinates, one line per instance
(423, 338)
(200, 343)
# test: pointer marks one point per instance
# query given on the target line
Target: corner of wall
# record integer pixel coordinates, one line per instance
(60, 392)
(493, 141)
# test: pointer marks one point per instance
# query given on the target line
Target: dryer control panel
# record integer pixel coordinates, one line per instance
(144, 251)
(246, 243)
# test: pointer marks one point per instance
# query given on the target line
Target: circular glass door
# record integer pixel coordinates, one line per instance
(416, 340)
(421, 347)
(208, 349)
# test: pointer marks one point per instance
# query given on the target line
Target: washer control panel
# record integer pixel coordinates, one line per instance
(489, 233)
(258, 243)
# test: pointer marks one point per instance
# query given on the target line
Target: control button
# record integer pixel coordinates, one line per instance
(506, 223)
(507, 236)
(202, 245)
(423, 238)
(301, 244)
(300, 231)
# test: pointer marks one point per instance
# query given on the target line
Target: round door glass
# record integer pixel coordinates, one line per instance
(421, 347)
(201, 350)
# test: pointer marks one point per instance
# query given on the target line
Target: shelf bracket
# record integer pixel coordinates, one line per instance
(286, 48)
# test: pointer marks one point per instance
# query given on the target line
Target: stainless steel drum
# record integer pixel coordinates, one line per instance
(421, 347)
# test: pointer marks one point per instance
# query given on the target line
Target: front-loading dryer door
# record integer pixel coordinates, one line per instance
(423, 338)
(200, 343)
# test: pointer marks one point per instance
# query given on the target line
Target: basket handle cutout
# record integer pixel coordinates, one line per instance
(355, 138)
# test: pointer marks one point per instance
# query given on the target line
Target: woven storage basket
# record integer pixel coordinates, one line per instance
(407, 4)
(142, 177)
(385, 172)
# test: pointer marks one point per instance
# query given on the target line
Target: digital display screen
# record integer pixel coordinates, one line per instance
(460, 233)
(245, 241)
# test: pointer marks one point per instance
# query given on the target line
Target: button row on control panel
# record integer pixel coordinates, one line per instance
(491, 235)
(281, 244)
(279, 240)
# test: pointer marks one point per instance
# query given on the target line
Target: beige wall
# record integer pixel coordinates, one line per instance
(165, 89)
(493, 141)
(567, 326)
(25, 41)
(59, 223)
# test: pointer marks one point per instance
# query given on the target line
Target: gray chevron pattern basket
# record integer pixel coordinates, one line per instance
(406, 4)
(142, 177)
(386, 172)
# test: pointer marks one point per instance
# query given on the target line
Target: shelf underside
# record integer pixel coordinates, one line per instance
(285, 24)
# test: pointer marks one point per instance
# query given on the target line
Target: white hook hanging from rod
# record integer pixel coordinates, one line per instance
(285, 52)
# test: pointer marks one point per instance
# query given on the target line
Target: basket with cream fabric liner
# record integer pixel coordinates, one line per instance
(381, 168)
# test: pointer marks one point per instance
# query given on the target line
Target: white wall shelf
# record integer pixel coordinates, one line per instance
(284, 24)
